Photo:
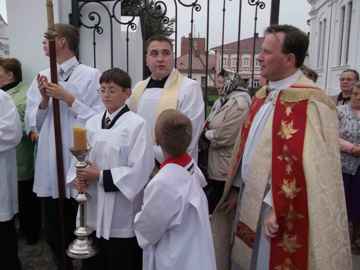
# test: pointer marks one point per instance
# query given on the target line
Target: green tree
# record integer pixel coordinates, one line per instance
(151, 17)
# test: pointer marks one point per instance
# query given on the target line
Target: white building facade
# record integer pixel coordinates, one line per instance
(27, 22)
(4, 38)
(334, 40)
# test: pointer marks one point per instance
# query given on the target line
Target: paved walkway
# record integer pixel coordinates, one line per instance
(38, 257)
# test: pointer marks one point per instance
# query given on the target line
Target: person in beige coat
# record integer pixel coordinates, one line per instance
(222, 127)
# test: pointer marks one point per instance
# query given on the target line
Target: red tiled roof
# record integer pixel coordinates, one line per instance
(198, 63)
(246, 46)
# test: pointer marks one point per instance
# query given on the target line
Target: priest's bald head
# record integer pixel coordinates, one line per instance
(173, 131)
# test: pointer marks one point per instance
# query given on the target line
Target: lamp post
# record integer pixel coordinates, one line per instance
(258, 5)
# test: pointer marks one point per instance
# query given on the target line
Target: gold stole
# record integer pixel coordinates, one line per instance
(169, 95)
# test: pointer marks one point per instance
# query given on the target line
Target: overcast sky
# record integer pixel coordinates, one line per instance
(294, 12)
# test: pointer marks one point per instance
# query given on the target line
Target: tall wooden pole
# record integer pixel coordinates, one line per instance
(50, 35)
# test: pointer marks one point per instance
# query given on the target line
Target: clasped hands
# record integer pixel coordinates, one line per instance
(86, 176)
(49, 89)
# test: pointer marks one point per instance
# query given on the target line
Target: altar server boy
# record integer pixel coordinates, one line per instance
(173, 225)
(121, 160)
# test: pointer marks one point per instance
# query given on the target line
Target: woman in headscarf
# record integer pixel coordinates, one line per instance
(222, 128)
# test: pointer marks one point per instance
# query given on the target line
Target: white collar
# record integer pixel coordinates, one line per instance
(285, 83)
(69, 64)
(112, 115)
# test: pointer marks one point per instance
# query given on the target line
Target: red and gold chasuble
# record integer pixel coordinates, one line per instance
(289, 249)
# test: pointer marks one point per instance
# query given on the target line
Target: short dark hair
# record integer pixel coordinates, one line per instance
(159, 38)
(117, 76)
(356, 74)
(173, 131)
(71, 35)
(12, 65)
(222, 73)
(295, 41)
(357, 85)
(310, 73)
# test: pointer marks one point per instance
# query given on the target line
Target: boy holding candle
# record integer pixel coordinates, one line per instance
(121, 160)
(173, 225)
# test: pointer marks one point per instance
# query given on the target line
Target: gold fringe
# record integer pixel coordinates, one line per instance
(300, 94)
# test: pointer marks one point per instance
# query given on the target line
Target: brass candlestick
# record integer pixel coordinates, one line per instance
(82, 247)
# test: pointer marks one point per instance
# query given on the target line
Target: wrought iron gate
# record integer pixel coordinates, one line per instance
(167, 12)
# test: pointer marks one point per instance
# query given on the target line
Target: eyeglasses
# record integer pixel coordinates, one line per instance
(109, 91)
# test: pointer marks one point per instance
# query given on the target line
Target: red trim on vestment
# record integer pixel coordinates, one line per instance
(182, 160)
(254, 108)
(289, 249)
(246, 234)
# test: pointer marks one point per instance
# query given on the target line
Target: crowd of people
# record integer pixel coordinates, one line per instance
(278, 185)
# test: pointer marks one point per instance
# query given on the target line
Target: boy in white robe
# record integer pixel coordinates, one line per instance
(121, 160)
(10, 136)
(173, 225)
(78, 101)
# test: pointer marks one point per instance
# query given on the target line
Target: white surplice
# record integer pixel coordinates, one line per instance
(82, 82)
(10, 136)
(126, 150)
(190, 102)
(173, 225)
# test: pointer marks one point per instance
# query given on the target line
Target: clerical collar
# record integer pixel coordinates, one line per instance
(182, 160)
(285, 83)
(66, 68)
(157, 83)
(9, 86)
(115, 116)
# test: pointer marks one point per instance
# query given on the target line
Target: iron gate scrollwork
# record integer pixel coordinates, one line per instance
(158, 10)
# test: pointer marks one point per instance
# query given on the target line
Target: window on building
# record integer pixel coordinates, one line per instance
(225, 61)
(319, 44)
(345, 33)
(246, 61)
(341, 32)
(322, 40)
(229, 61)
(348, 31)
(233, 61)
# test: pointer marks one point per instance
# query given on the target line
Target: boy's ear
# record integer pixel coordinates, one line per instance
(128, 91)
